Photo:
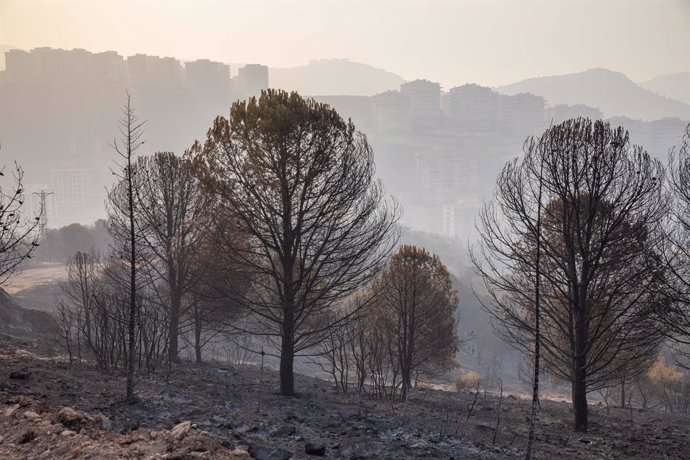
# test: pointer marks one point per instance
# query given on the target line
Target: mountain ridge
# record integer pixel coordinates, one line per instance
(334, 77)
(612, 92)
(675, 85)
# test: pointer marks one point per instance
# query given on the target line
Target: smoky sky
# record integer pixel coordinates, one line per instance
(452, 42)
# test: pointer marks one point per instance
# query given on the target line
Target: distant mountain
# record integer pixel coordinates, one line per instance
(676, 86)
(611, 92)
(333, 77)
(4, 48)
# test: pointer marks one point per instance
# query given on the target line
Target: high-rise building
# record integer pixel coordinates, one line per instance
(154, 71)
(447, 188)
(18, 65)
(424, 99)
(109, 67)
(522, 114)
(445, 175)
(392, 112)
(472, 108)
(250, 81)
(65, 66)
(457, 218)
(207, 76)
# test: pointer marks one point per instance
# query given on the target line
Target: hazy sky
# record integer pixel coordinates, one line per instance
(488, 42)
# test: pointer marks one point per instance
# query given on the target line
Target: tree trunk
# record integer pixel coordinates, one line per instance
(69, 347)
(287, 358)
(580, 397)
(173, 330)
(643, 395)
(622, 393)
(133, 271)
(197, 339)
(580, 360)
(406, 380)
(537, 326)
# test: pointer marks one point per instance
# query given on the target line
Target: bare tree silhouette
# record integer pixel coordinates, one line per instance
(300, 182)
(600, 264)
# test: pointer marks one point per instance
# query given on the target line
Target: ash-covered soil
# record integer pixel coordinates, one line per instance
(51, 410)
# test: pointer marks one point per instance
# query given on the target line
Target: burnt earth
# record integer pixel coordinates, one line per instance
(215, 411)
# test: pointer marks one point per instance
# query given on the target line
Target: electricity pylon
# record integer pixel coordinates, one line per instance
(43, 223)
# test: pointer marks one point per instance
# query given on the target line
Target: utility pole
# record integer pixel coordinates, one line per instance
(43, 223)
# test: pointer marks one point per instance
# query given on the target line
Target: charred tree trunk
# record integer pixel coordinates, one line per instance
(405, 381)
(122, 211)
(287, 359)
(580, 361)
(197, 336)
(173, 333)
(537, 325)
(580, 402)
(131, 326)
(287, 346)
(174, 326)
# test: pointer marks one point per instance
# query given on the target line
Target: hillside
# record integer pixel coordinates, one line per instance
(17, 320)
(676, 86)
(611, 92)
(334, 77)
(51, 410)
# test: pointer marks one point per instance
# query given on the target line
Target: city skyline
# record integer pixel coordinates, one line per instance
(437, 151)
(431, 40)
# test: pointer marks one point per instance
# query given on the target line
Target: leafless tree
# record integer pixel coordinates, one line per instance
(601, 273)
(87, 314)
(172, 217)
(215, 309)
(300, 182)
(382, 363)
(18, 238)
(122, 213)
(334, 356)
(94, 292)
(68, 327)
(357, 330)
(74, 310)
(348, 349)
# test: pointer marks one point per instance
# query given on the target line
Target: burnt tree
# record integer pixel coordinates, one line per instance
(173, 218)
(300, 182)
(600, 238)
(122, 210)
(18, 237)
(414, 306)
